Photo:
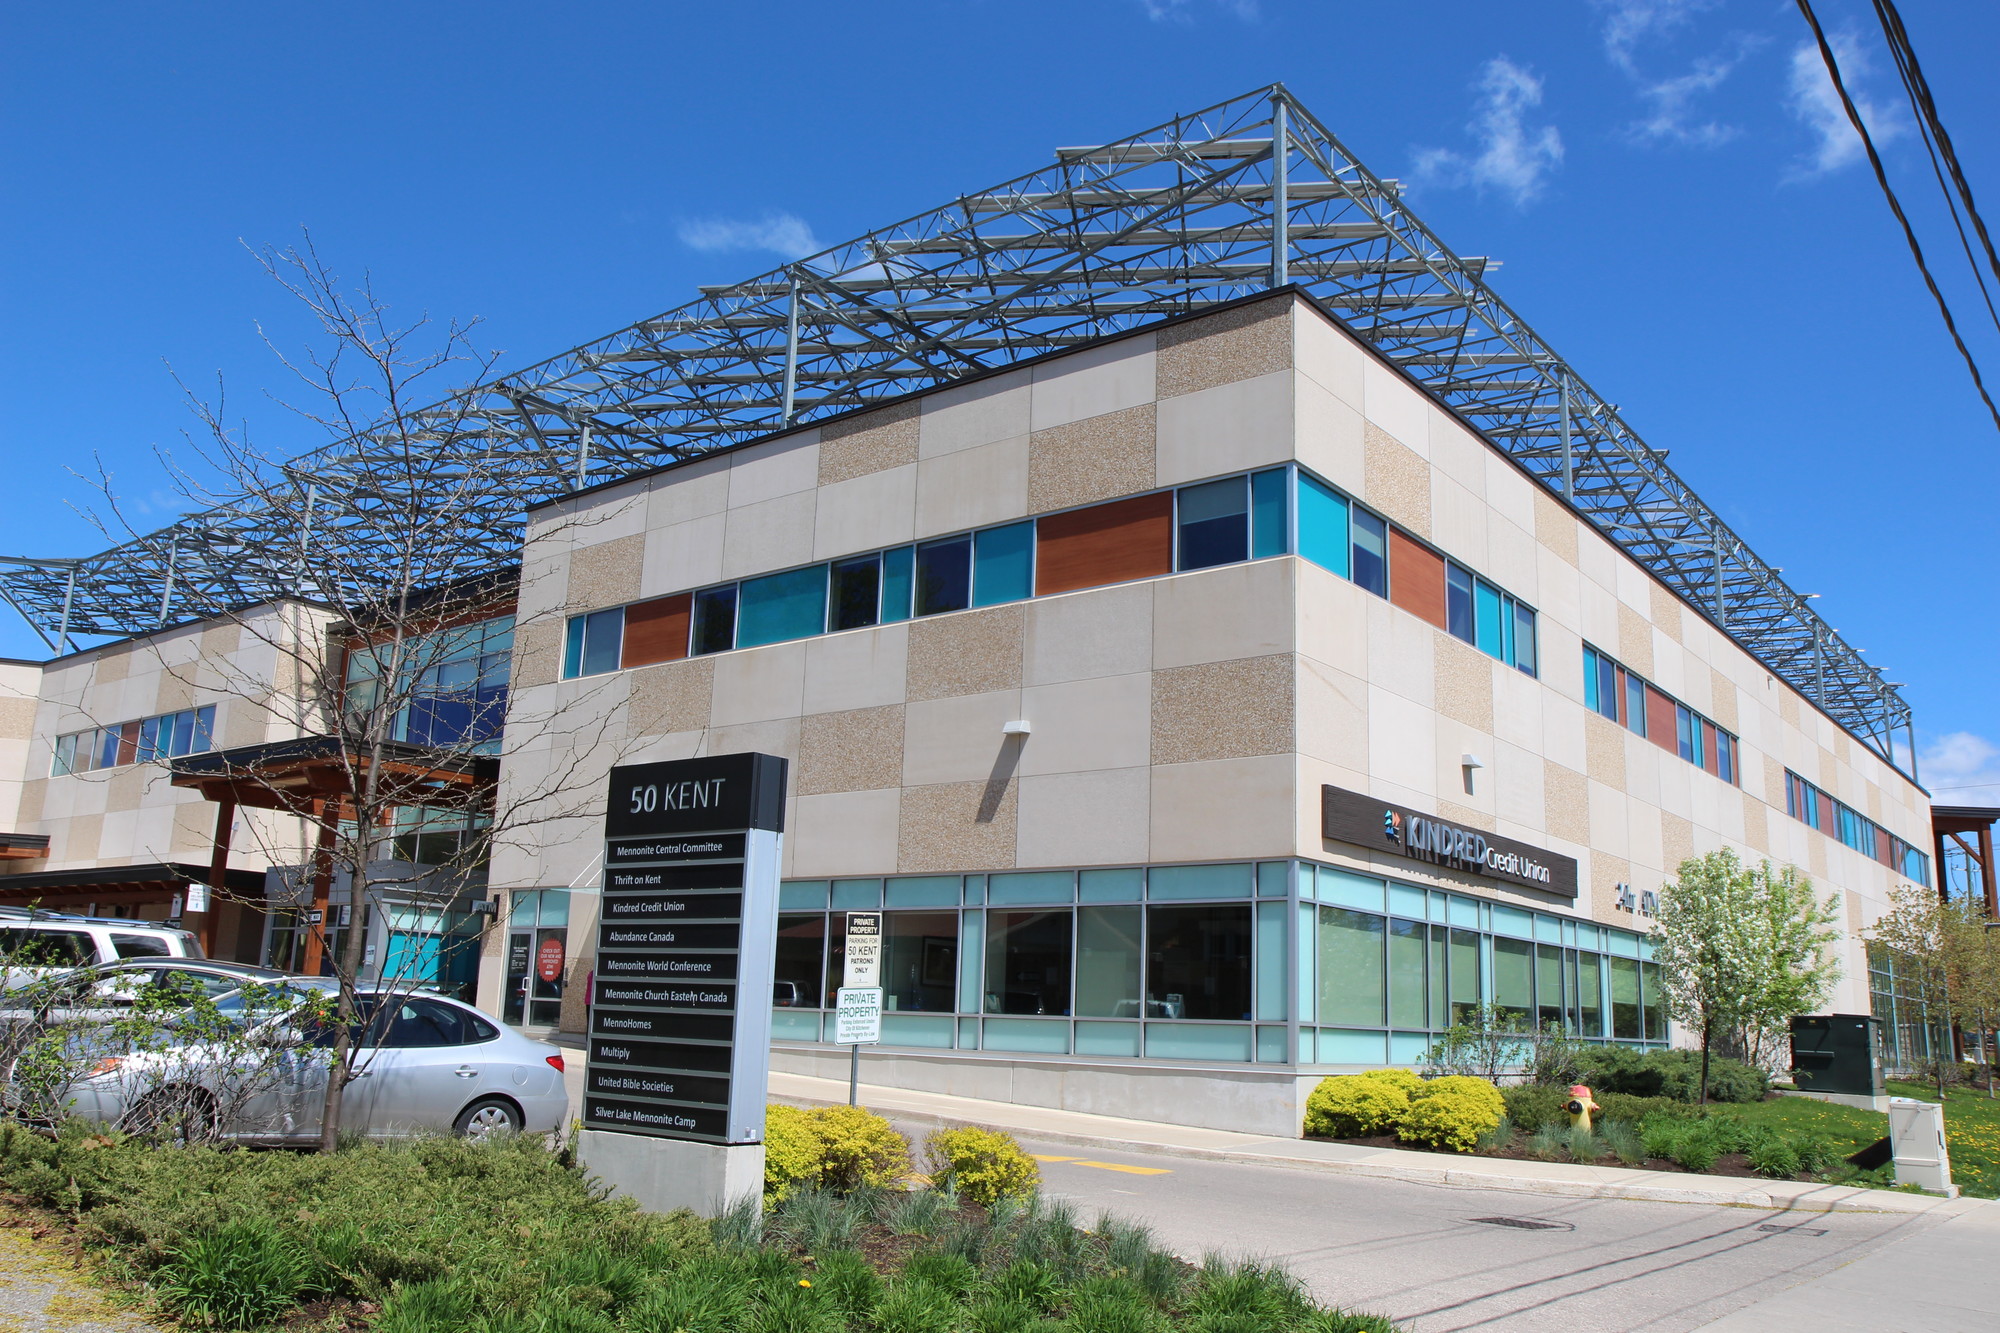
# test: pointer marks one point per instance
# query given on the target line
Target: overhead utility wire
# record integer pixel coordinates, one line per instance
(1895, 205)
(1937, 142)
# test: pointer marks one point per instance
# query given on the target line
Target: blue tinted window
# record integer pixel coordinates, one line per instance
(594, 642)
(715, 620)
(1525, 656)
(897, 580)
(1323, 526)
(856, 592)
(573, 648)
(1267, 514)
(1214, 523)
(1003, 564)
(1725, 757)
(791, 605)
(1491, 623)
(1590, 689)
(1371, 552)
(944, 576)
(1458, 602)
(1635, 703)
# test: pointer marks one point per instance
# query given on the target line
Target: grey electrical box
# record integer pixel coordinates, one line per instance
(1837, 1053)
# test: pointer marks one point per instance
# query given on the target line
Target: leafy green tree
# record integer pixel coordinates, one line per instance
(1972, 973)
(1742, 948)
(1919, 928)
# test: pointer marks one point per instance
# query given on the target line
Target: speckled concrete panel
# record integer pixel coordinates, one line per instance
(537, 654)
(216, 640)
(1555, 526)
(872, 442)
(1667, 611)
(1238, 344)
(1756, 823)
(1722, 701)
(858, 750)
(673, 696)
(1676, 841)
(958, 826)
(1566, 803)
(605, 574)
(1599, 897)
(1604, 740)
(1464, 683)
(1098, 458)
(77, 840)
(111, 667)
(1399, 480)
(1466, 814)
(126, 788)
(1223, 710)
(970, 652)
(1635, 642)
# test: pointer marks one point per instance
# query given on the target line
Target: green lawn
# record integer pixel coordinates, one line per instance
(1971, 1126)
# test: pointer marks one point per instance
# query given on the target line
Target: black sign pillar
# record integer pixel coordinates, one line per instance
(680, 1019)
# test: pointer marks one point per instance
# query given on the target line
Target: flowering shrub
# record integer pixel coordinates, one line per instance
(1451, 1118)
(1356, 1105)
(981, 1165)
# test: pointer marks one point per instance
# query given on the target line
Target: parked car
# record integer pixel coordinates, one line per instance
(424, 1064)
(36, 944)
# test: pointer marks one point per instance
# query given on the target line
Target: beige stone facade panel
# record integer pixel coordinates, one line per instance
(1605, 742)
(1566, 800)
(607, 573)
(1328, 435)
(970, 652)
(778, 735)
(1097, 458)
(844, 833)
(768, 536)
(759, 684)
(1399, 481)
(1666, 612)
(783, 466)
(1466, 814)
(866, 513)
(1224, 808)
(1600, 897)
(1229, 428)
(1228, 612)
(1722, 702)
(856, 669)
(1080, 635)
(959, 739)
(684, 555)
(670, 697)
(1676, 841)
(1464, 682)
(964, 416)
(1392, 405)
(1555, 527)
(1084, 819)
(958, 826)
(1326, 353)
(1082, 725)
(1092, 381)
(1332, 715)
(1223, 710)
(1756, 824)
(871, 442)
(1230, 345)
(692, 490)
(17, 718)
(973, 487)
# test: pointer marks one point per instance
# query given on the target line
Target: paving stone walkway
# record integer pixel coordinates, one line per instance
(43, 1291)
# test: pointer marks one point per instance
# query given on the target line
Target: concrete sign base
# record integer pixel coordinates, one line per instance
(664, 1174)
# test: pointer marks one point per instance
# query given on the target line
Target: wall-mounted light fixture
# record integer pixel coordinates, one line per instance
(1469, 762)
(1019, 727)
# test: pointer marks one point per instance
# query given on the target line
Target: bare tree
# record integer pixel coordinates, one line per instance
(381, 673)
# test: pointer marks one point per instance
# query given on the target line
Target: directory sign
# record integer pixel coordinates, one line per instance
(680, 1019)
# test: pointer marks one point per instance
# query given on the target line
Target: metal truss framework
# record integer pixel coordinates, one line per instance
(1245, 196)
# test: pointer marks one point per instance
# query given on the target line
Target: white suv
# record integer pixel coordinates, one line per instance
(46, 942)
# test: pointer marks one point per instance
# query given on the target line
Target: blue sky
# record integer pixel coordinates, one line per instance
(1674, 208)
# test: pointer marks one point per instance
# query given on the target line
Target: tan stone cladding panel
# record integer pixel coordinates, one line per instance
(674, 696)
(1225, 347)
(1223, 710)
(1399, 480)
(1607, 872)
(1098, 458)
(1464, 683)
(1566, 799)
(1555, 526)
(607, 573)
(1604, 750)
(1756, 823)
(1471, 816)
(1722, 701)
(537, 654)
(857, 750)
(1666, 611)
(17, 719)
(970, 652)
(1635, 642)
(34, 793)
(1676, 841)
(958, 826)
(874, 442)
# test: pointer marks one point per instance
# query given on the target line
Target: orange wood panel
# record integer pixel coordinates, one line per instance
(657, 631)
(1709, 759)
(1660, 721)
(1107, 543)
(1416, 577)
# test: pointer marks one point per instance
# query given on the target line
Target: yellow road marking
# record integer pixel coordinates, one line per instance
(1129, 1170)
(1043, 1157)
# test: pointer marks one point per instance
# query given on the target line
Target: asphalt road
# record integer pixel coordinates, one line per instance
(1421, 1255)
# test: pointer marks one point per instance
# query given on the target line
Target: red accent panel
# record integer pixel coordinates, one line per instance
(1416, 577)
(1107, 543)
(1883, 853)
(1827, 823)
(128, 742)
(1660, 728)
(657, 631)
(1709, 761)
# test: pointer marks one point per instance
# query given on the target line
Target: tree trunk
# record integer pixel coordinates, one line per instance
(1707, 1032)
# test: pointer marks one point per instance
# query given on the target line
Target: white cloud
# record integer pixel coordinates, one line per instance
(1670, 116)
(1628, 22)
(781, 233)
(1182, 11)
(1812, 98)
(1513, 156)
(1961, 768)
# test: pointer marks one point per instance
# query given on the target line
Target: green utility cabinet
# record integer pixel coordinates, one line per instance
(1837, 1053)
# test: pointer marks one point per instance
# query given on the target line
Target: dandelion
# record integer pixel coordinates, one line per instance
(804, 1282)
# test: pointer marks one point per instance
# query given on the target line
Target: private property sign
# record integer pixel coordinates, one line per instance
(1348, 816)
(680, 1020)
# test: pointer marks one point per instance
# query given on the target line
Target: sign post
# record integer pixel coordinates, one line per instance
(680, 1019)
(857, 1014)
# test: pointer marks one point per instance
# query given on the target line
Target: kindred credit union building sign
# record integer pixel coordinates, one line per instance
(1349, 816)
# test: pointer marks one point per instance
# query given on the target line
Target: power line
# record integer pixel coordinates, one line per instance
(1895, 205)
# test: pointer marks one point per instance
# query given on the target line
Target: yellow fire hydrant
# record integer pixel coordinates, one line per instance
(1580, 1105)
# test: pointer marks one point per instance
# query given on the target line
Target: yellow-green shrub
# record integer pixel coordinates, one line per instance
(1355, 1105)
(1450, 1118)
(981, 1165)
(1476, 1088)
(1406, 1079)
(830, 1147)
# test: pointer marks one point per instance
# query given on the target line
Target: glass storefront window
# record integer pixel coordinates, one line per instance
(1463, 954)
(919, 961)
(1350, 967)
(1028, 962)
(1407, 942)
(1549, 1006)
(1625, 999)
(1108, 962)
(1513, 980)
(801, 958)
(1198, 961)
(1652, 1002)
(1589, 995)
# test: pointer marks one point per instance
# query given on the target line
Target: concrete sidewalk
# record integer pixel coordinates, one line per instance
(1562, 1179)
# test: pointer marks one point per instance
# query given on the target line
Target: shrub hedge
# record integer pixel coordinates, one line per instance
(830, 1147)
(1356, 1106)
(982, 1165)
(1675, 1075)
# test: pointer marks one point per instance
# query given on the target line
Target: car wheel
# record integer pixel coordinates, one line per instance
(488, 1116)
(179, 1116)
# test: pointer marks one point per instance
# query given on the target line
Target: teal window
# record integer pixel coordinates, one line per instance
(856, 593)
(1323, 526)
(1003, 564)
(944, 576)
(1371, 552)
(1268, 519)
(1408, 946)
(715, 620)
(1458, 602)
(1351, 974)
(594, 642)
(784, 606)
(1028, 962)
(1491, 620)
(1589, 990)
(1514, 979)
(1522, 641)
(898, 580)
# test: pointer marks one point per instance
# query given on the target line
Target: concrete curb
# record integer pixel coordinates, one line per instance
(1588, 1182)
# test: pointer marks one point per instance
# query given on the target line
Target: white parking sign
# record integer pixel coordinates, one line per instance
(864, 949)
(857, 1016)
